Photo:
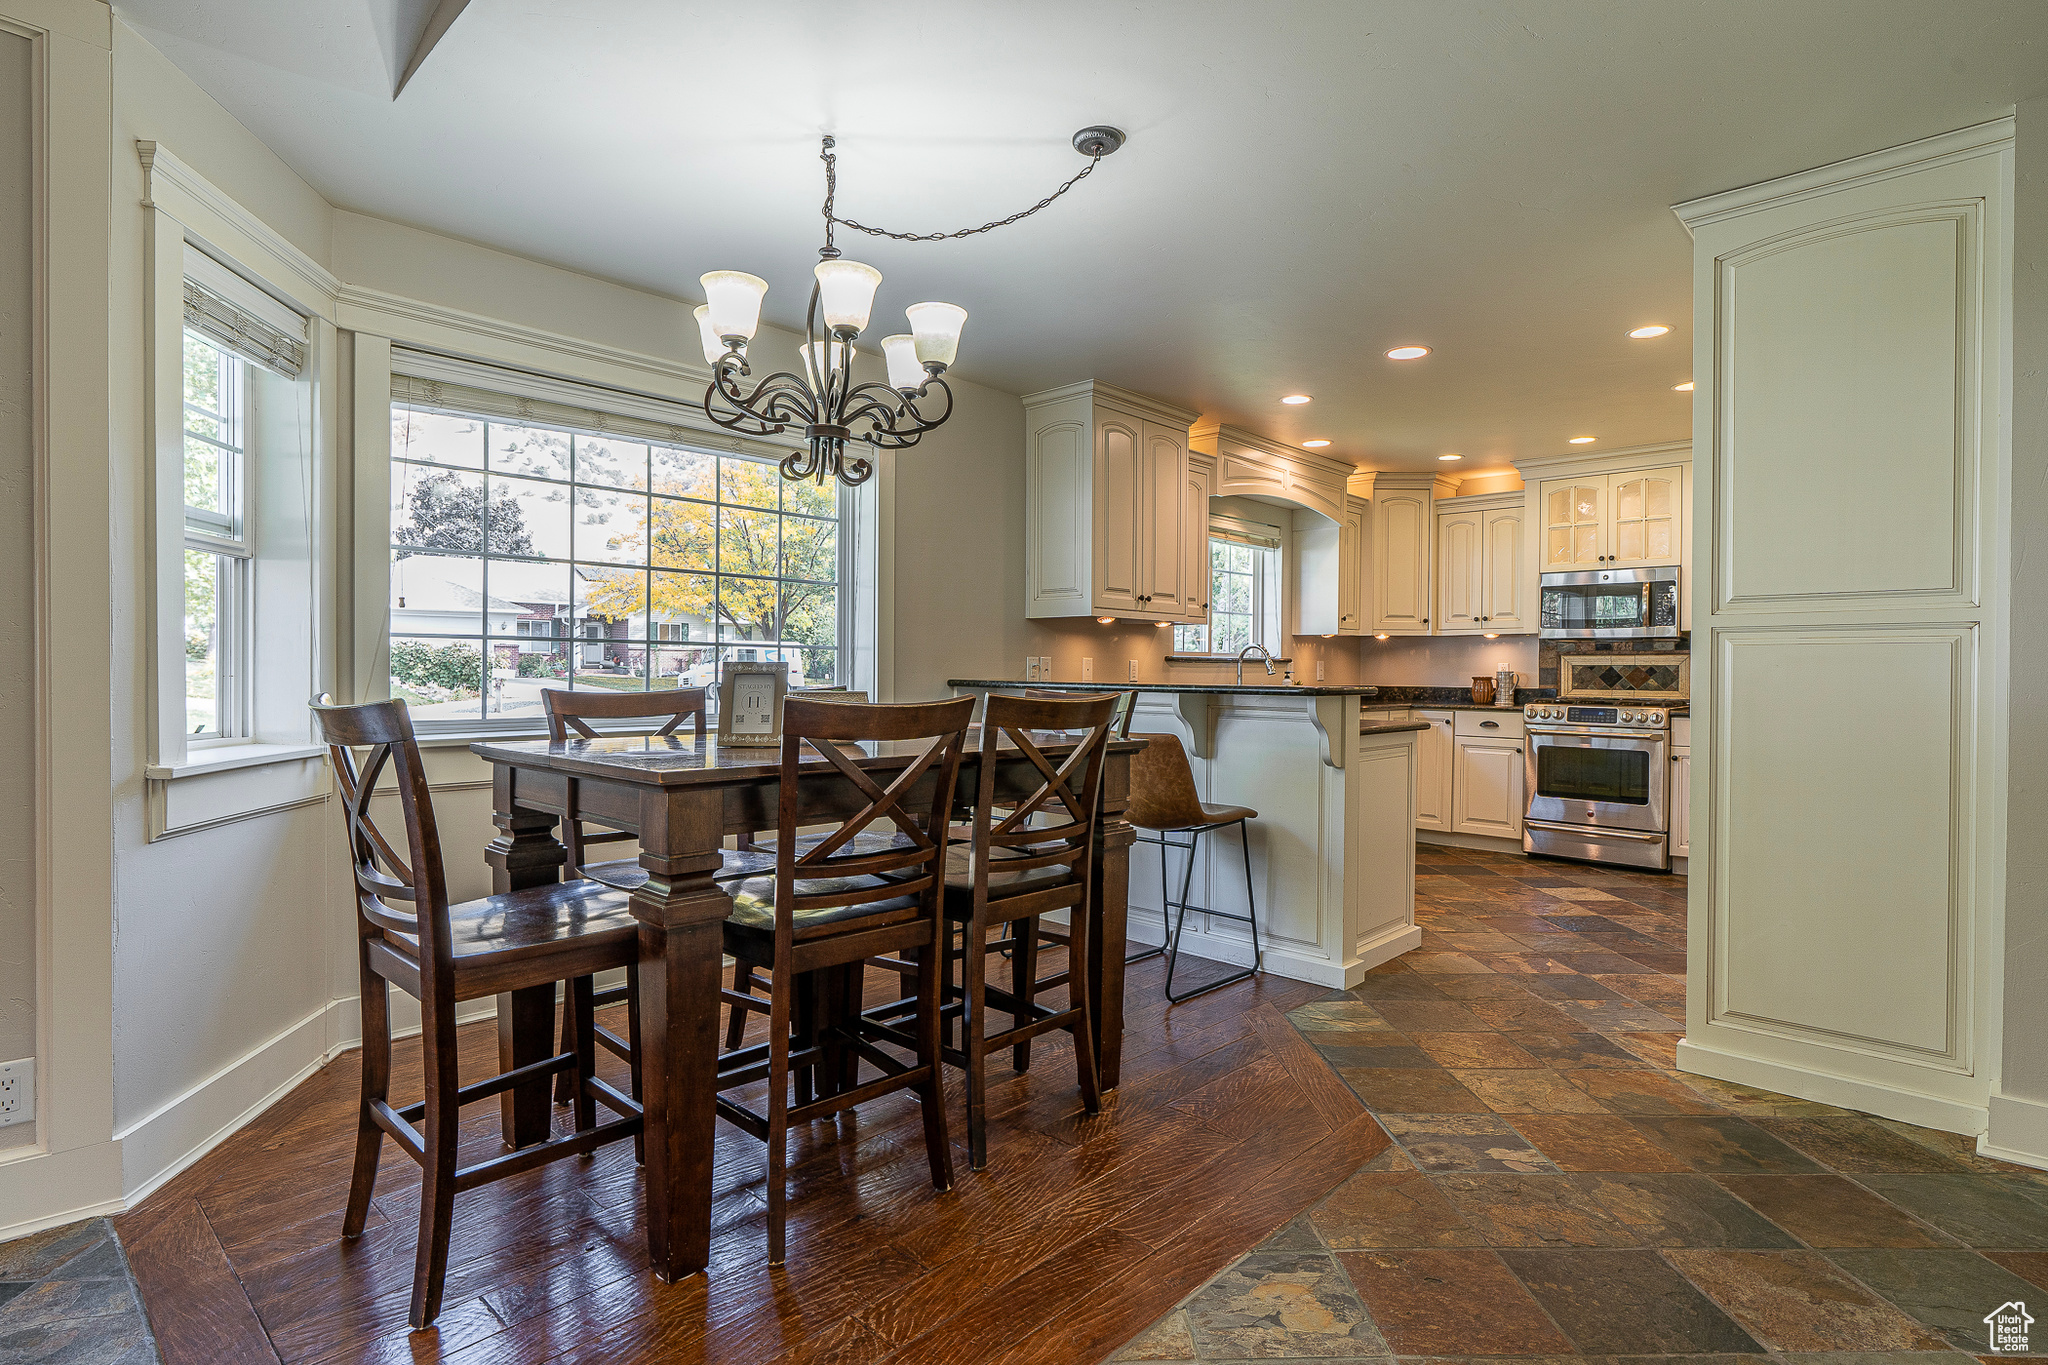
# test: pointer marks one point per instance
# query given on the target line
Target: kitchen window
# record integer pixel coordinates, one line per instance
(1244, 591)
(529, 554)
(217, 549)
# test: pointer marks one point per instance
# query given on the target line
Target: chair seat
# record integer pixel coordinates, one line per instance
(750, 928)
(539, 922)
(1211, 815)
(1001, 885)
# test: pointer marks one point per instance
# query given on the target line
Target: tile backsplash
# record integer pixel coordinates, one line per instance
(1548, 652)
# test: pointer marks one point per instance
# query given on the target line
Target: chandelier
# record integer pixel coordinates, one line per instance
(823, 399)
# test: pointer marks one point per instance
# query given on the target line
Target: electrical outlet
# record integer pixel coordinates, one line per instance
(1030, 668)
(1319, 670)
(1087, 670)
(1045, 668)
(1133, 670)
(17, 1091)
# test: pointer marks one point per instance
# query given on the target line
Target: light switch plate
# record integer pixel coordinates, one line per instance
(1087, 670)
(1134, 670)
(17, 1091)
(1030, 668)
(1045, 668)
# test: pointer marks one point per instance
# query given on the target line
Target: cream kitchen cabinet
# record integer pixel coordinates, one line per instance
(1433, 750)
(1482, 574)
(1195, 536)
(1402, 535)
(1107, 501)
(1487, 783)
(1334, 576)
(1623, 519)
(1681, 803)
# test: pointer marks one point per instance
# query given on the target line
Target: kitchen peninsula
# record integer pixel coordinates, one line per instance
(1333, 848)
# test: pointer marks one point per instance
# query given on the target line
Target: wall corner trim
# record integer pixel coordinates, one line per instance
(2018, 1131)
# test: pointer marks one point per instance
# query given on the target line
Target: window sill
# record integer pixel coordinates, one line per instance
(228, 757)
(1220, 659)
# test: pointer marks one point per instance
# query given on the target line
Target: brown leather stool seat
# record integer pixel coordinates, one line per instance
(1164, 802)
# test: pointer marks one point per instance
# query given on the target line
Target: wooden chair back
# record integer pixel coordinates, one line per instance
(384, 731)
(567, 711)
(831, 870)
(1054, 824)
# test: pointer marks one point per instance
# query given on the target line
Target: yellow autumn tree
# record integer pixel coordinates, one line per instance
(749, 548)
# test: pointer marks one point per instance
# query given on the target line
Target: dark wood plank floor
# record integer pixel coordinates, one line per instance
(1081, 1232)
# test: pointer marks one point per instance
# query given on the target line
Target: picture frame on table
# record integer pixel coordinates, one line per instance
(750, 704)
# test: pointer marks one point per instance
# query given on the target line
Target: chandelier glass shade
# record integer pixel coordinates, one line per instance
(824, 399)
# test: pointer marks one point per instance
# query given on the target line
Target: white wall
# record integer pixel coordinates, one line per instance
(17, 564)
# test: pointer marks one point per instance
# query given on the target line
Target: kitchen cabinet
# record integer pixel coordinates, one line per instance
(1107, 505)
(1487, 786)
(1433, 778)
(1402, 536)
(1482, 574)
(1195, 537)
(1681, 803)
(1333, 575)
(1621, 519)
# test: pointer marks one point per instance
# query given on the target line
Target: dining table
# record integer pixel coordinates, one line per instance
(684, 798)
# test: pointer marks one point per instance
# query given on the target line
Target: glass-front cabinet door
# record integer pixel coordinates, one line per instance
(1646, 517)
(1574, 522)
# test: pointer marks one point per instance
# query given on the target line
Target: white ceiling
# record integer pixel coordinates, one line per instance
(1308, 182)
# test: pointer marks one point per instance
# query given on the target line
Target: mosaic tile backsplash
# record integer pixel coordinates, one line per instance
(1549, 652)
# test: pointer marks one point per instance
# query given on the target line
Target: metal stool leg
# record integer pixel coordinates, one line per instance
(1164, 906)
(1251, 904)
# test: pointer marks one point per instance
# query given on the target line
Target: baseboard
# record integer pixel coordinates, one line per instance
(40, 1189)
(1907, 1106)
(1388, 946)
(178, 1133)
(1448, 839)
(2018, 1131)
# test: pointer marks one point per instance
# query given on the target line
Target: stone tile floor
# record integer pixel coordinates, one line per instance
(66, 1295)
(1558, 1190)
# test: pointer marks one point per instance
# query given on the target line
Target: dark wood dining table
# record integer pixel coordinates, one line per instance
(683, 797)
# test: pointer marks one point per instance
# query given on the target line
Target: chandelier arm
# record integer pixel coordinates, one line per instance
(887, 408)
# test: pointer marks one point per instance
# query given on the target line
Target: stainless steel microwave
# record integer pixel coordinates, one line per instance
(1610, 604)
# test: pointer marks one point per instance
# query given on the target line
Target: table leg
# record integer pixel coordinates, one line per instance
(1110, 906)
(526, 853)
(682, 913)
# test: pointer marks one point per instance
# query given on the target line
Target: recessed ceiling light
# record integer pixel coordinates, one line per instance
(1313, 445)
(1582, 440)
(1645, 333)
(1295, 398)
(1408, 353)
(1686, 387)
(1450, 457)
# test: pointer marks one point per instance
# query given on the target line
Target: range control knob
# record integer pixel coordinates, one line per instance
(1656, 718)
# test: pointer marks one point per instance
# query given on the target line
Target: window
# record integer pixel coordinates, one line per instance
(1244, 597)
(217, 550)
(527, 555)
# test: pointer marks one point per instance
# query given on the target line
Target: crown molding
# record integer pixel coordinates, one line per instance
(1977, 140)
(1142, 404)
(1627, 458)
(1218, 433)
(214, 219)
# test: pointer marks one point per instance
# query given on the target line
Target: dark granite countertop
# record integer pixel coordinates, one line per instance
(1392, 727)
(1249, 689)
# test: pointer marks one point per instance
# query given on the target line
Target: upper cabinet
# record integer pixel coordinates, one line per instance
(1483, 576)
(1334, 576)
(1108, 506)
(1194, 571)
(1625, 518)
(1402, 538)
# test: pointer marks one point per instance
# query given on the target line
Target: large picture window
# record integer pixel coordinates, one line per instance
(528, 556)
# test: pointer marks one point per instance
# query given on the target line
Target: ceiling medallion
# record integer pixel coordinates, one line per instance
(824, 400)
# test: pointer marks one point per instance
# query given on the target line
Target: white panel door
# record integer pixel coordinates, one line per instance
(1645, 506)
(1433, 771)
(1504, 574)
(1681, 804)
(1119, 514)
(1166, 482)
(1574, 522)
(1487, 788)
(1460, 578)
(1401, 561)
(1058, 468)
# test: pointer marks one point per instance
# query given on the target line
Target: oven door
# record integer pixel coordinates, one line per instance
(1607, 780)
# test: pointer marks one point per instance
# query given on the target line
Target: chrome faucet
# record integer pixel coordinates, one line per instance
(1248, 649)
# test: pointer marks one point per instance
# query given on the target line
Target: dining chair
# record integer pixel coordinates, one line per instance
(1164, 803)
(1029, 854)
(568, 714)
(408, 935)
(829, 906)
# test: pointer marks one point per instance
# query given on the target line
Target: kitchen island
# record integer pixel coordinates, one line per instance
(1333, 848)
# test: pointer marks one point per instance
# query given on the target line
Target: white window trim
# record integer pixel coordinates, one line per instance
(863, 568)
(1269, 573)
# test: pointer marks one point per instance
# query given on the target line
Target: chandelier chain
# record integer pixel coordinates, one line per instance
(832, 191)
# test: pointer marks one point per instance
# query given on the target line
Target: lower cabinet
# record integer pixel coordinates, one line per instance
(1681, 803)
(1487, 787)
(1433, 771)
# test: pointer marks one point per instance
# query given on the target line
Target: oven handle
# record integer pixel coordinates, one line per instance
(1601, 831)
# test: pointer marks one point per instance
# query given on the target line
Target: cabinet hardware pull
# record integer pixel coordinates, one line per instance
(1489, 725)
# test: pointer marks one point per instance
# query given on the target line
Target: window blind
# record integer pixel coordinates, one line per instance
(1256, 534)
(236, 316)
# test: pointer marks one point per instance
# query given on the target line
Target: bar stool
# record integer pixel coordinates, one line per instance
(1164, 803)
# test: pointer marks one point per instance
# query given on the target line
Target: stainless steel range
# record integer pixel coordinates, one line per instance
(1599, 782)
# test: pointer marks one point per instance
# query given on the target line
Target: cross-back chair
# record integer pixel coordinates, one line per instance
(568, 713)
(833, 901)
(411, 937)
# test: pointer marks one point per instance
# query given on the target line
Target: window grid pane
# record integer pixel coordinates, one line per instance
(525, 558)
